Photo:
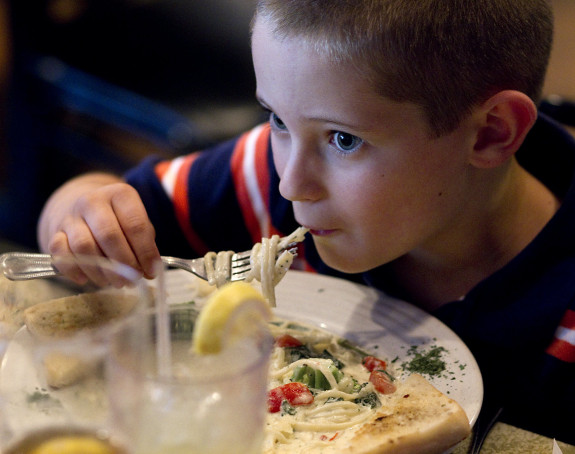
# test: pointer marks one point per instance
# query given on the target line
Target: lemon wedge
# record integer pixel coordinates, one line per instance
(231, 313)
(74, 444)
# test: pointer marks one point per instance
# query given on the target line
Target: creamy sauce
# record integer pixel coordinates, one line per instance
(344, 404)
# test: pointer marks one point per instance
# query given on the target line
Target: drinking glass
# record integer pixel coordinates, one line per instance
(57, 333)
(169, 400)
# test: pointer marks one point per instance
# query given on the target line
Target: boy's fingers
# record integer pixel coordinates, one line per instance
(73, 238)
(105, 213)
(109, 236)
(138, 230)
(60, 247)
(59, 244)
(111, 222)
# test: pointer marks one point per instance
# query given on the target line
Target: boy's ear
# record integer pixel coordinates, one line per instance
(504, 121)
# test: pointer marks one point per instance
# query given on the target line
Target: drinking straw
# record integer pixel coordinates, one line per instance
(163, 344)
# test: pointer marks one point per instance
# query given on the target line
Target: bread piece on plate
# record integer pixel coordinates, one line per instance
(62, 318)
(417, 419)
(16, 296)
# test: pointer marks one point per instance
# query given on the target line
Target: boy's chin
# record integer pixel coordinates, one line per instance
(343, 263)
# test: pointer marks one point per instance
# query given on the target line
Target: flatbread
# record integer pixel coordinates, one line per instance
(16, 296)
(417, 419)
(64, 317)
(61, 318)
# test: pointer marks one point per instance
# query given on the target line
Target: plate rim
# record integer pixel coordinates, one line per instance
(374, 300)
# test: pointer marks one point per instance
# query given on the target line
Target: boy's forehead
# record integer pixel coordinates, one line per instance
(295, 54)
(263, 36)
(294, 83)
(290, 63)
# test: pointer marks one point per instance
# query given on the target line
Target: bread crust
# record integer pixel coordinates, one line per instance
(63, 317)
(421, 420)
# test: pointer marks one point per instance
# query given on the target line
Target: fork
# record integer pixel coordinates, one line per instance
(487, 419)
(20, 266)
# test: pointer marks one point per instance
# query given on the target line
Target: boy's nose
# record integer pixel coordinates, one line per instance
(301, 176)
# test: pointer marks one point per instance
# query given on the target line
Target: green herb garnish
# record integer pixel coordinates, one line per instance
(369, 400)
(429, 362)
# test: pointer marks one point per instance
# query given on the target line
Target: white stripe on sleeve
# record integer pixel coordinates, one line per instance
(170, 177)
(251, 179)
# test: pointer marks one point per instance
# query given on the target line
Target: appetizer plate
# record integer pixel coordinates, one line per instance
(28, 401)
(391, 329)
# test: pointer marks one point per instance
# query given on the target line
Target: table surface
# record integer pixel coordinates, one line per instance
(506, 439)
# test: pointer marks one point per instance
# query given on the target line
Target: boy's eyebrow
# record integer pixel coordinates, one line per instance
(356, 128)
(262, 102)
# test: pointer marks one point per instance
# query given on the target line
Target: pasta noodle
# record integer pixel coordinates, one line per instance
(265, 266)
(217, 267)
(343, 404)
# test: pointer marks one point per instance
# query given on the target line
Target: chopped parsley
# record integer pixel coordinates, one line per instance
(427, 362)
(369, 400)
(38, 396)
(287, 408)
(42, 399)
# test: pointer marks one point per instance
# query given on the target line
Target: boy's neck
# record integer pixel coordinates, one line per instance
(479, 248)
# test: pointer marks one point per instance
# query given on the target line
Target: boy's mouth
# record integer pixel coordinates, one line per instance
(320, 232)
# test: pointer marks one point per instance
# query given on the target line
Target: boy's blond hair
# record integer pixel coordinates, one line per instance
(445, 55)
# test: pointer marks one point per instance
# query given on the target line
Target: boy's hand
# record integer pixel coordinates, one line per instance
(99, 214)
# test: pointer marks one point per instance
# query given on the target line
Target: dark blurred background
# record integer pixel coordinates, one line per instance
(100, 84)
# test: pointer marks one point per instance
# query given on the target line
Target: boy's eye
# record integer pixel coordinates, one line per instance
(277, 121)
(345, 142)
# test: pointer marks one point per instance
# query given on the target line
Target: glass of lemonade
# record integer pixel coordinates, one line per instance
(53, 386)
(168, 400)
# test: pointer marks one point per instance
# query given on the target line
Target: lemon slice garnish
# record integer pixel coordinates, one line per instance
(73, 444)
(231, 313)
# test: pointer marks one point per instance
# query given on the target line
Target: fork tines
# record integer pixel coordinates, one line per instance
(241, 261)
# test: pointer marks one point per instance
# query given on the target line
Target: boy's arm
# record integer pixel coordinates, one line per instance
(99, 214)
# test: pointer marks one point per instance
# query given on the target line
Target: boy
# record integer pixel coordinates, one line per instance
(404, 135)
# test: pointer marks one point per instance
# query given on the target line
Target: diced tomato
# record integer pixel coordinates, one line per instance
(326, 438)
(275, 399)
(372, 363)
(382, 382)
(295, 393)
(287, 340)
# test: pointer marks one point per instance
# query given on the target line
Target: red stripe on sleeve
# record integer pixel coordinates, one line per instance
(182, 205)
(263, 175)
(161, 168)
(568, 320)
(242, 192)
(562, 350)
(262, 168)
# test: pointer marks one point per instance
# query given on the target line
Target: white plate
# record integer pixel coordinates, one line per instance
(27, 399)
(386, 326)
